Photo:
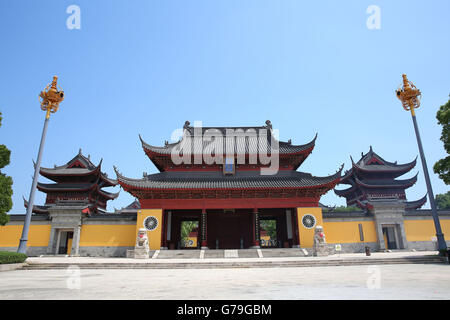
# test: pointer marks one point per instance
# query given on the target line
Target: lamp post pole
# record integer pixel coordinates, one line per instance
(409, 95)
(50, 99)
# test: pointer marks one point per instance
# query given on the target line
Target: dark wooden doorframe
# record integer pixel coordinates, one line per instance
(390, 231)
(230, 230)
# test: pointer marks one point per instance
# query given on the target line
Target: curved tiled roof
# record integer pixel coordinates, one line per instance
(66, 170)
(109, 195)
(88, 166)
(365, 164)
(412, 205)
(66, 186)
(344, 192)
(216, 180)
(243, 139)
(406, 183)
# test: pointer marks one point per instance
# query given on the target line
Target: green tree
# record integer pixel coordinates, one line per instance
(5, 184)
(346, 209)
(186, 229)
(271, 227)
(443, 201)
(442, 167)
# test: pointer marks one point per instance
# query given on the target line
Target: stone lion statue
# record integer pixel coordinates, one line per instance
(141, 250)
(319, 235)
(320, 247)
(142, 239)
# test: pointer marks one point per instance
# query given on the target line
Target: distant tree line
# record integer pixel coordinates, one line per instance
(5, 183)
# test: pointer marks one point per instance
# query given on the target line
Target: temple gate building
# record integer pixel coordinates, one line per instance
(229, 206)
(233, 204)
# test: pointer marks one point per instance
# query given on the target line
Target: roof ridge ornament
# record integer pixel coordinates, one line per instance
(269, 124)
(186, 124)
(116, 170)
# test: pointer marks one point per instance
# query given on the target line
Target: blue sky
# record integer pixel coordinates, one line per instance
(148, 66)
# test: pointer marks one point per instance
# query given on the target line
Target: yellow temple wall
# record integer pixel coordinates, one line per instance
(337, 231)
(107, 235)
(348, 231)
(424, 230)
(38, 236)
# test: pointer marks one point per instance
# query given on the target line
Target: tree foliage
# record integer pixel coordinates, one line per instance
(442, 167)
(443, 201)
(5, 184)
(271, 227)
(186, 228)
(346, 209)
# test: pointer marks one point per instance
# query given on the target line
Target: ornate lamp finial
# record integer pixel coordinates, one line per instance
(409, 95)
(50, 98)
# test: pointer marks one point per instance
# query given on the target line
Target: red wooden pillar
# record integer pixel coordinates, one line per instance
(164, 230)
(296, 238)
(255, 220)
(204, 230)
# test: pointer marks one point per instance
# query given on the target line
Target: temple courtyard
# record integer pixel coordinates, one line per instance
(74, 279)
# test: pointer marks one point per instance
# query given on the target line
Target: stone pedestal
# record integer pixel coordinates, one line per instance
(130, 254)
(141, 253)
(321, 250)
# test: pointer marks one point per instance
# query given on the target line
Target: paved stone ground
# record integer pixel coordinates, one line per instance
(192, 256)
(406, 281)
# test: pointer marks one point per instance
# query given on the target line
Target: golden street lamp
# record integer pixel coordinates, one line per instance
(50, 99)
(409, 95)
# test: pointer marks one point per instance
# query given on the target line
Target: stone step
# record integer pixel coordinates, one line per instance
(236, 264)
